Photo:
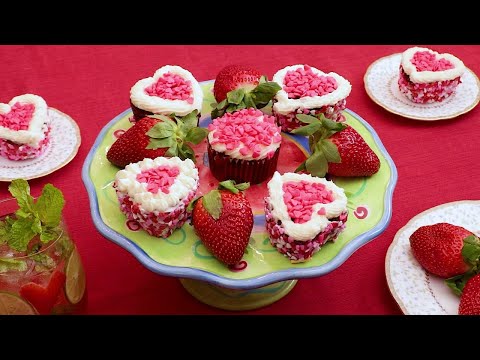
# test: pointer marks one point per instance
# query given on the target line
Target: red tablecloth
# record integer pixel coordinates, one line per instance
(436, 162)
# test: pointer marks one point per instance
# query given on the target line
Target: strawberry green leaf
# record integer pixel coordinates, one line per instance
(162, 117)
(172, 150)
(457, 283)
(160, 143)
(471, 250)
(317, 164)
(196, 135)
(212, 202)
(12, 265)
(186, 152)
(20, 234)
(161, 130)
(248, 101)
(189, 121)
(330, 151)
(307, 129)
(306, 119)
(332, 125)
(228, 185)
(20, 190)
(301, 167)
(264, 92)
(242, 186)
(192, 203)
(235, 96)
(49, 206)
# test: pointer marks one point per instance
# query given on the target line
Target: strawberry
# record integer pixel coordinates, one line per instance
(233, 77)
(43, 298)
(238, 87)
(223, 220)
(444, 249)
(337, 149)
(151, 137)
(470, 299)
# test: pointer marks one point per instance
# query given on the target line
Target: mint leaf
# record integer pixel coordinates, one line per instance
(161, 130)
(306, 119)
(160, 143)
(190, 121)
(307, 129)
(20, 234)
(235, 96)
(49, 206)
(12, 265)
(330, 151)
(317, 164)
(4, 230)
(48, 235)
(212, 202)
(20, 190)
(196, 135)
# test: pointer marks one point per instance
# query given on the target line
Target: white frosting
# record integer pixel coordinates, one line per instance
(284, 105)
(158, 105)
(235, 153)
(34, 134)
(185, 182)
(317, 223)
(431, 76)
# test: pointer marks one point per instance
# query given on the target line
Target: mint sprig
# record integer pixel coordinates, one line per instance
(32, 218)
(323, 151)
(239, 99)
(177, 133)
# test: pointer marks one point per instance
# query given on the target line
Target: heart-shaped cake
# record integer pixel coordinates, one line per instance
(307, 90)
(24, 127)
(172, 89)
(302, 213)
(155, 193)
(427, 76)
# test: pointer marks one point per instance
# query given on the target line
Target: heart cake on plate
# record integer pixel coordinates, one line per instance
(24, 127)
(307, 90)
(156, 193)
(302, 213)
(427, 76)
(171, 90)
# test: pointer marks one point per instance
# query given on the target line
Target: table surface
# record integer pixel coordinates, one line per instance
(436, 162)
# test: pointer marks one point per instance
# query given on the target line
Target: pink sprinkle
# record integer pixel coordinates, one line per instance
(171, 87)
(304, 82)
(159, 178)
(248, 130)
(426, 61)
(300, 197)
(18, 118)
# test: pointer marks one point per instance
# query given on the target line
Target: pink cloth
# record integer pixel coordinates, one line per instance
(436, 161)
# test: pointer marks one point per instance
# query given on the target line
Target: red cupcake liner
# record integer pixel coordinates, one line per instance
(223, 167)
(300, 251)
(14, 151)
(289, 122)
(426, 93)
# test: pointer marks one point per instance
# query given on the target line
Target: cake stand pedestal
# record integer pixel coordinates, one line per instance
(237, 300)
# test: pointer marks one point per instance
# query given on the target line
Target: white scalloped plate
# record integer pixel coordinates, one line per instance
(65, 141)
(381, 84)
(416, 291)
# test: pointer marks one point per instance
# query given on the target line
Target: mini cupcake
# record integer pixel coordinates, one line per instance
(307, 90)
(243, 146)
(156, 193)
(171, 90)
(24, 127)
(303, 213)
(427, 76)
